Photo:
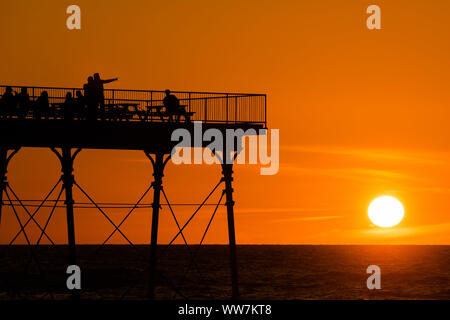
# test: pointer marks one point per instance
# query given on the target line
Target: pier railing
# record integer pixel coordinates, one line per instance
(208, 107)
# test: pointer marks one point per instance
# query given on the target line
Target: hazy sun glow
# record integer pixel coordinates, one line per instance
(386, 211)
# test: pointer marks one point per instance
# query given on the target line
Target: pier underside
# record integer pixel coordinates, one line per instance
(149, 136)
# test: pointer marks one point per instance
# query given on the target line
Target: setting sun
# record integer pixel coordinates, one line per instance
(386, 211)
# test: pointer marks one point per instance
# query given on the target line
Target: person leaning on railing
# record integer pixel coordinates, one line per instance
(80, 106)
(69, 107)
(24, 102)
(41, 106)
(7, 103)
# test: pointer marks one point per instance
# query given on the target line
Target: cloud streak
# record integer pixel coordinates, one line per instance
(358, 174)
(282, 210)
(318, 218)
(425, 156)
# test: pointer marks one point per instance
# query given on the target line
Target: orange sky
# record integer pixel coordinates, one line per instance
(361, 113)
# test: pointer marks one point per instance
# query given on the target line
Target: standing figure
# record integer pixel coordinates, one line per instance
(100, 92)
(69, 107)
(80, 103)
(24, 102)
(42, 106)
(90, 99)
(7, 102)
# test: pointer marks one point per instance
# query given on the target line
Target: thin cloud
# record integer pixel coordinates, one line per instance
(295, 211)
(425, 156)
(359, 174)
(282, 210)
(313, 218)
(395, 232)
(406, 231)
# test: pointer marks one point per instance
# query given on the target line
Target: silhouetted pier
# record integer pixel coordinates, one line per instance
(129, 120)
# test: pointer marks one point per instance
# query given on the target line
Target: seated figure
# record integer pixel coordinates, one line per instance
(173, 107)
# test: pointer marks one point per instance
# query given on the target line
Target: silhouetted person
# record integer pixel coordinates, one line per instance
(172, 104)
(88, 88)
(91, 99)
(173, 107)
(7, 102)
(100, 92)
(8, 96)
(69, 107)
(80, 103)
(24, 102)
(42, 106)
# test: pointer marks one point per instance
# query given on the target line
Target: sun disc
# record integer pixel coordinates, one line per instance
(386, 211)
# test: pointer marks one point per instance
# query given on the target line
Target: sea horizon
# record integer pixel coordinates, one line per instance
(265, 272)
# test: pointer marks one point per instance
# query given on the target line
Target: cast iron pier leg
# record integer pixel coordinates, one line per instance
(4, 161)
(68, 179)
(158, 169)
(66, 158)
(227, 170)
(3, 171)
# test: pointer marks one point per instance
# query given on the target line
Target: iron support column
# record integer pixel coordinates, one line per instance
(158, 169)
(66, 158)
(4, 161)
(227, 171)
(3, 171)
(68, 180)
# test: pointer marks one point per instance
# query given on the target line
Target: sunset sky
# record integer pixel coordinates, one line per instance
(361, 113)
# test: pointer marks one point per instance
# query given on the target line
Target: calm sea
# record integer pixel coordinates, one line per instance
(265, 272)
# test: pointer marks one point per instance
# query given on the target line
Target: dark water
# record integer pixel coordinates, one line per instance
(265, 272)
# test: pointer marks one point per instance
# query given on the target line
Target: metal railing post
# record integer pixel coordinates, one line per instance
(235, 109)
(189, 102)
(226, 106)
(206, 110)
(265, 111)
(151, 105)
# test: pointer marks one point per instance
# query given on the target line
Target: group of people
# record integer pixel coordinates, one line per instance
(94, 96)
(13, 103)
(89, 104)
(86, 105)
